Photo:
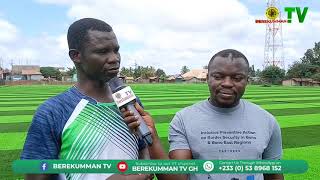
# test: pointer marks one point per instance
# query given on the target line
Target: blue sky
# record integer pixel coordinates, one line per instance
(165, 34)
(35, 18)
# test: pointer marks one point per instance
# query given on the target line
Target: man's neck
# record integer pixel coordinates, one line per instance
(97, 90)
(214, 103)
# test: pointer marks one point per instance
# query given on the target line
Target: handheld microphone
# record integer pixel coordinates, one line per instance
(123, 96)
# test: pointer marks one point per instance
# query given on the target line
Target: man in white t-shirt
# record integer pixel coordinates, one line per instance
(224, 126)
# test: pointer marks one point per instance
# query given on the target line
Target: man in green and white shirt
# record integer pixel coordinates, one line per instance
(84, 122)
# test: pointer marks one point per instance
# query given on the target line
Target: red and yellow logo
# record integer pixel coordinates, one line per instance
(272, 13)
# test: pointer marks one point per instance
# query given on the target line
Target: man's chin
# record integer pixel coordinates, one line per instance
(226, 103)
(110, 76)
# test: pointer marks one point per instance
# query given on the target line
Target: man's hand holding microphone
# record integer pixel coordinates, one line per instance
(133, 121)
(139, 122)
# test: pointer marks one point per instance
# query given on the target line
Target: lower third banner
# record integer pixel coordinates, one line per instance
(160, 166)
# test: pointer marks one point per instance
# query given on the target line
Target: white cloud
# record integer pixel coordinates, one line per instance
(298, 37)
(27, 53)
(8, 32)
(43, 50)
(129, 32)
(175, 33)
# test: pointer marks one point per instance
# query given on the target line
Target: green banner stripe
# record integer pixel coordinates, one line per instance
(160, 166)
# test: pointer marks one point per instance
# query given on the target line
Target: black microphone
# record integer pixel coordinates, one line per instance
(124, 97)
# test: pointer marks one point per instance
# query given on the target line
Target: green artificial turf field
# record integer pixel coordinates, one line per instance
(297, 110)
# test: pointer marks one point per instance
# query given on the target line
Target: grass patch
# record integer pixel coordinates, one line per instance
(311, 155)
(6, 159)
(300, 136)
(14, 127)
(16, 112)
(18, 108)
(18, 105)
(166, 99)
(298, 120)
(24, 100)
(292, 105)
(280, 95)
(15, 119)
(12, 141)
(296, 109)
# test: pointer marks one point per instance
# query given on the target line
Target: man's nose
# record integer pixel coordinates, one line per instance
(114, 58)
(227, 82)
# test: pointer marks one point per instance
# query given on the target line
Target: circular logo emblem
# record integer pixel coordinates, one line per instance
(272, 13)
(208, 166)
(118, 95)
(122, 166)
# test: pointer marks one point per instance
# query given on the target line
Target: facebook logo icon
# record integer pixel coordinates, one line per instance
(44, 166)
(250, 177)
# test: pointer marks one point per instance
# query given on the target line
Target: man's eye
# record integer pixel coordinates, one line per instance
(217, 77)
(102, 51)
(238, 78)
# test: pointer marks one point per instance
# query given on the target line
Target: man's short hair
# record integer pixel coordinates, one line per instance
(226, 53)
(78, 31)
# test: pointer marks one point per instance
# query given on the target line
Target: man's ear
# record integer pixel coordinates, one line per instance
(74, 55)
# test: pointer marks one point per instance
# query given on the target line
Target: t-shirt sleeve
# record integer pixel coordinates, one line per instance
(274, 148)
(177, 134)
(41, 141)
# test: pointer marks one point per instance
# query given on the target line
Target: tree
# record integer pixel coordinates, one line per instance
(160, 72)
(151, 71)
(128, 72)
(144, 72)
(205, 67)
(50, 72)
(308, 66)
(312, 56)
(71, 71)
(162, 78)
(252, 72)
(147, 72)
(184, 69)
(300, 70)
(273, 74)
(137, 72)
(258, 73)
(316, 77)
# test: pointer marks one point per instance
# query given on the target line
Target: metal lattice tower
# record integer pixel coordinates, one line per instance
(273, 49)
